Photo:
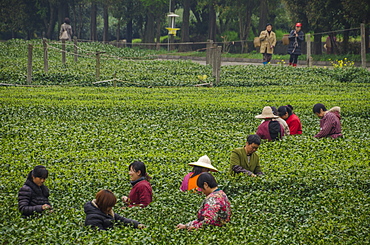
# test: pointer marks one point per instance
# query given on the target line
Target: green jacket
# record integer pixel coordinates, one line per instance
(239, 157)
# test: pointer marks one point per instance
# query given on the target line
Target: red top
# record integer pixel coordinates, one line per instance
(141, 194)
(294, 124)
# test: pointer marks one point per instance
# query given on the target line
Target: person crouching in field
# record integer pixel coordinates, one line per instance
(33, 197)
(268, 42)
(293, 121)
(245, 159)
(215, 209)
(99, 212)
(190, 180)
(141, 192)
(330, 125)
(269, 129)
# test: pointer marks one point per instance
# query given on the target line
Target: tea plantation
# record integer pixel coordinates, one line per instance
(315, 191)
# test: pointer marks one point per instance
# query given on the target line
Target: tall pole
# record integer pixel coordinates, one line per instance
(169, 23)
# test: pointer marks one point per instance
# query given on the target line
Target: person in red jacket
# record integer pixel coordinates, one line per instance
(141, 192)
(293, 121)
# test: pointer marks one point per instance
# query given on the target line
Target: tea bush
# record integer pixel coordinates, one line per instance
(134, 67)
(315, 191)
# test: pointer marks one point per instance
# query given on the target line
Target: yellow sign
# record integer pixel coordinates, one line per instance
(172, 31)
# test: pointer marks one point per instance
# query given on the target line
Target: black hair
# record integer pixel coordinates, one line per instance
(253, 139)
(282, 110)
(274, 110)
(67, 21)
(39, 171)
(268, 24)
(317, 108)
(290, 107)
(208, 178)
(136, 166)
(196, 170)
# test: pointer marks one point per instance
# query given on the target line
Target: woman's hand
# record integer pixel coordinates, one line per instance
(181, 226)
(125, 199)
(46, 206)
(141, 226)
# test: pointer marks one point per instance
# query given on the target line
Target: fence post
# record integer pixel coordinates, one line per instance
(63, 52)
(216, 63)
(29, 64)
(97, 75)
(209, 51)
(115, 79)
(46, 65)
(363, 46)
(309, 58)
(75, 48)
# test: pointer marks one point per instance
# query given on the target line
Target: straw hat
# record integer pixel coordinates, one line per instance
(204, 162)
(267, 113)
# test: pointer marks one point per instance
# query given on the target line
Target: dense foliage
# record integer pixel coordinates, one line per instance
(313, 192)
(133, 67)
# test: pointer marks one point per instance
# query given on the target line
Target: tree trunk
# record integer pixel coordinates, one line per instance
(317, 47)
(79, 22)
(149, 29)
(51, 24)
(345, 39)
(245, 19)
(263, 15)
(158, 31)
(212, 22)
(185, 27)
(367, 32)
(106, 24)
(93, 31)
(129, 33)
(118, 30)
(62, 13)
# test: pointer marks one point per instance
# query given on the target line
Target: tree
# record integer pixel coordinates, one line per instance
(185, 26)
(263, 14)
(155, 12)
(93, 26)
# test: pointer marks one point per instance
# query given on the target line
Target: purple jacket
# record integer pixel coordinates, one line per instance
(330, 125)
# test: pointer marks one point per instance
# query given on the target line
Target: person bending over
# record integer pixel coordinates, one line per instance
(330, 125)
(245, 159)
(190, 180)
(215, 209)
(99, 212)
(33, 197)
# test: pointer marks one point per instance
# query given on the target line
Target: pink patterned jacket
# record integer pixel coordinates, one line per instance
(215, 210)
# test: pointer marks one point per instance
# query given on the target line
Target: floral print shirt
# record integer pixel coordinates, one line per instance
(215, 210)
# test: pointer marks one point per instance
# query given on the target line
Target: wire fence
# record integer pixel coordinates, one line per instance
(334, 44)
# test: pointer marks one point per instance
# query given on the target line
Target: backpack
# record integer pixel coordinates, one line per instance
(274, 130)
(64, 35)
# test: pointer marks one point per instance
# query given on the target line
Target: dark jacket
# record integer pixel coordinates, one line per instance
(96, 218)
(295, 43)
(31, 197)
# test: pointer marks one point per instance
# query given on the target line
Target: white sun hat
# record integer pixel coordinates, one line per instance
(267, 113)
(204, 162)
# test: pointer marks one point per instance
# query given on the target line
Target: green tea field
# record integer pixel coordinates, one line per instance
(314, 191)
